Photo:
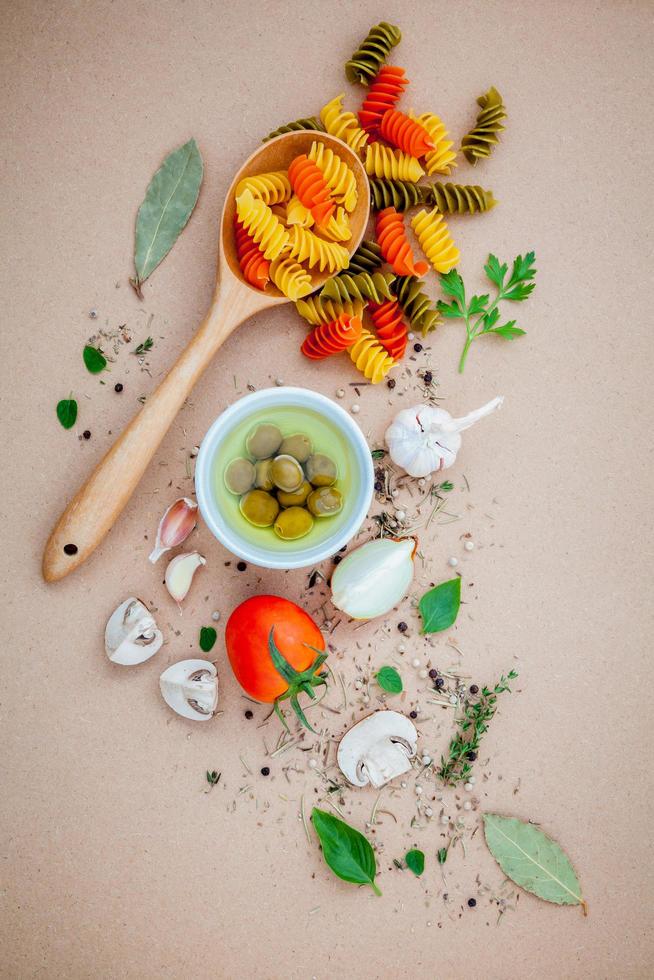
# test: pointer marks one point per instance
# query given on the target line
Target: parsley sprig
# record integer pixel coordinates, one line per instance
(472, 724)
(480, 314)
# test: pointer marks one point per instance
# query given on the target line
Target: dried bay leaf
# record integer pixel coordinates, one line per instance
(168, 204)
(532, 860)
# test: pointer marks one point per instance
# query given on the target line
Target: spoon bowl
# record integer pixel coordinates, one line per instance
(100, 501)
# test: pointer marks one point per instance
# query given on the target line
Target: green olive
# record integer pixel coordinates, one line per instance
(292, 523)
(286, 473)
(325, 502)
(239, 475)
(294, 498)
(262, 477)
(321, 470)
(298, 446)
(259, 508)
(264, 441)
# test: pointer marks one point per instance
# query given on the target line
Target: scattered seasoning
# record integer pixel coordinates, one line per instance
(417, 348)
(391, 383)
(471, 756)
(86, 434)
(474, 689)
(472, 902)
(265, 771)
(439, 683)
(70, 549)
(212, 777)
(402, 627)
(118, 387)
(93, 314)
(428, 377)
(379, 486)
(241, 566)
(413, 714)
(249, 714)
(433, 673)
(144, 347)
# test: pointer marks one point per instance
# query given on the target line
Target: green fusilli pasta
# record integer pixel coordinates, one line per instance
(372, 53)
(367, 258)
(416, 304)
(373, 286)
(481, 139)
(459, 198)
(398, 194)
(310, 122)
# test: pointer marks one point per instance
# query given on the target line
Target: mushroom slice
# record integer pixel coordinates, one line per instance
(377, 749)
(131, 635)
(190, 688)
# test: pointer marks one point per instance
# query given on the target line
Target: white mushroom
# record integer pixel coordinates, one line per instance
(190, 688)
(131, 635)
(377, 749)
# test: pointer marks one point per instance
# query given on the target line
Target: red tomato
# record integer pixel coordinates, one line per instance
(247, 636)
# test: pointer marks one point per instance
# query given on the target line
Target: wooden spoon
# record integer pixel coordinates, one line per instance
(99, 502)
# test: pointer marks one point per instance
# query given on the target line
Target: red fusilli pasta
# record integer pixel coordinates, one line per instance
(390, 327)
(308, 182)
(255, 268)
(333, 337)
(405, 133)
(383, 94)
(394, 244)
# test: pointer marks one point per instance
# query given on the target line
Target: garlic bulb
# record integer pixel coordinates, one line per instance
(190, 688)
(374, 578)
(131, 635)
(175, 526)
(180, 572)
(425, 439)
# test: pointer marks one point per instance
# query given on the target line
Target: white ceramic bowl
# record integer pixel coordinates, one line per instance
(296, 554)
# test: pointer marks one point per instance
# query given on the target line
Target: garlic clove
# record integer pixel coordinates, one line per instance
(131, 636)
(425, 439)
(180, 572)
(374, 578)
(190, 688)
(175, 526)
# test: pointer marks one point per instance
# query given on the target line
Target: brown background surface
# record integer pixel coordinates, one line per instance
(115, 863)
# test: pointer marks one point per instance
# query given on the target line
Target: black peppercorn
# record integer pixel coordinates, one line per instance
(402, 627)
(70, 549)
(428, 377)
(417, 348)
(433, 673)
(265, 771)
(379, 486)
(391, 382)
(241, 566)
(472, 902)
(118, 387)
(413, 714)
(86, 434)
(249, 714)
(474, 689)
(439, 682)
(471, 756)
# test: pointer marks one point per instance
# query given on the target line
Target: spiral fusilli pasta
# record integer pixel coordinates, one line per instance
(382, 161)
(398, 194)
(316, 310)
(370, 357)
(340, 179)
(343, 124)
(337, 228)
(372, 53)
(332, 338)
(383, 94)
(405, 133)
(422, 315)
(394, 244)
(367, 258)
(481, 139)
(255, 268)
(390, 327)
(290, 278)
(442, 159)
(266, 229)
(272, 188)
(307, 247)
(435, 241)
(459, 198)
(310, 122)
(363, 285)
(309, 184)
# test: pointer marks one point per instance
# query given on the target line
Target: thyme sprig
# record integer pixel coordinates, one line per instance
(472, 725)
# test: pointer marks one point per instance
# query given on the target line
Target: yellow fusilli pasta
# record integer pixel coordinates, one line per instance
(435, 240)
(370, 357)
(440, 160)
(272, 188)
(290, 278)
(316, 310)
(381, 161)
(297, 214)
(266, 229)
(342, 124)
(337, 228)
(307, 247)
(340, 179)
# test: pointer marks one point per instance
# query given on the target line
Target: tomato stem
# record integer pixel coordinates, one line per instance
(297, 680)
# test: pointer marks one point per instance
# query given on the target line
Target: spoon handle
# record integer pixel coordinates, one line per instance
(99, 502)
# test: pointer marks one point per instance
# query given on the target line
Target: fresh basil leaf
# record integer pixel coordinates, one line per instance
(477, 304)
(532, 860)
(520, 292)
(450, 310)
(94, 359)
(347, 852)
(415, 861)
(389, 680)
(67, 412)
(166, 208)
(508, 330)
(495, 271)
(440, 606)
(207, 638)
(452, 285)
